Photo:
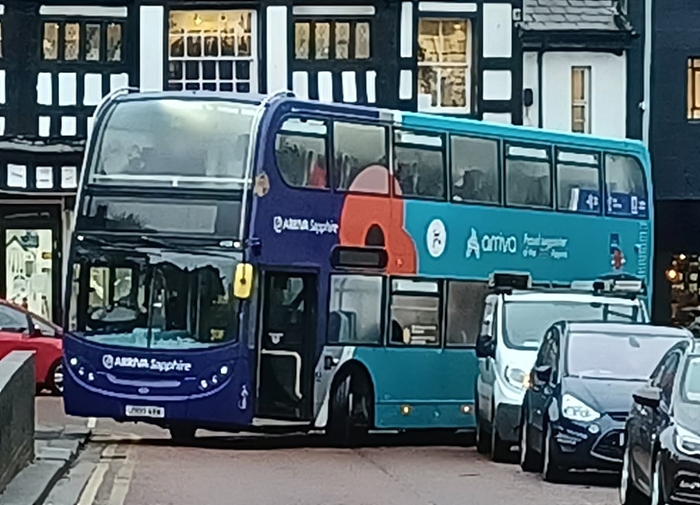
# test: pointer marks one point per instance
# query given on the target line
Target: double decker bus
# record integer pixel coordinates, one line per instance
(251, 263)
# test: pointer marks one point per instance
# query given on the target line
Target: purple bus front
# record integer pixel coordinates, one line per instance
(154, 331)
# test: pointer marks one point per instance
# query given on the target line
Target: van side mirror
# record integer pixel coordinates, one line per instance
(243, 281)
(648, 397)
(543, 372)
(485, 347)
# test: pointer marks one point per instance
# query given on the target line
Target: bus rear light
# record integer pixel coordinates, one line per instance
(406, 410)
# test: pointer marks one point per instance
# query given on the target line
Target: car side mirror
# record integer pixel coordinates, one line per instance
(648, 397)
(36, 332)
(485, 346)
(543, 373)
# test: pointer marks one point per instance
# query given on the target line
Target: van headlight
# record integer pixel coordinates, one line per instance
(687, 442)
(515, 377)
(574, 409)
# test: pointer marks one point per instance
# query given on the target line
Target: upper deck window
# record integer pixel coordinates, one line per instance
(170, 142)
(625, 186)
(578, 182)
(528, 176)
(357, 148)
(420, 164)
(300, 149)
(475, 170)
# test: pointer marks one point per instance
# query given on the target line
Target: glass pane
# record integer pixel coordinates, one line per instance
(211, 46)
(454, 41)
(72, 38)
(427, 83)
(92, 42)
(578, 112)
(50, 41)
(362, 41)
(244, 45)
(355, 314)
(194, 45)
(528, 182)
(361, 161)
(0, 40)
(177, 46)
(301, 41)
(29, 270)
(322, 39)
(579, 188)
(475, 170)
(342, 41)
(696, 76)
(301, 154)
(428, 40)
(577, 84)
(453, 90)
(114, 42)
(415, 319)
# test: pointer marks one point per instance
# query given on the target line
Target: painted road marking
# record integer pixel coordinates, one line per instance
(89, 493)
(122, 482)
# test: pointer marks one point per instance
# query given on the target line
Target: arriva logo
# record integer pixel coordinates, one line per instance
(110, 362)
(503, 244)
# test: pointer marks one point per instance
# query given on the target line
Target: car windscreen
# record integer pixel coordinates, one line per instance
(619, 356)
(525, 322)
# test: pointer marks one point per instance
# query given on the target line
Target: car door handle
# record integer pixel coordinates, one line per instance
(330, 362)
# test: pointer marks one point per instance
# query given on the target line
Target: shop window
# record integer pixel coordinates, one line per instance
(357, 147)
(213, 51)
(355, 310)
(300, 149)
(475, 170)
(415, 312)
(445, 65)
(332, 40)
(578, 182)
(528, 177)
(420, 164)
(75, 41)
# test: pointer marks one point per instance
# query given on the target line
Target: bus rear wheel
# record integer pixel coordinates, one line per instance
(349, 413)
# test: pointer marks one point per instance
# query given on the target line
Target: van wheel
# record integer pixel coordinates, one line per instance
(483, 438)
(500, 450)
(349, 411)
(54, 380)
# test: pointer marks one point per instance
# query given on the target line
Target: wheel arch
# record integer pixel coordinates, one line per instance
(356, 368)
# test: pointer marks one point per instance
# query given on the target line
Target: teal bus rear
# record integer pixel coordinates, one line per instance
(400, 219)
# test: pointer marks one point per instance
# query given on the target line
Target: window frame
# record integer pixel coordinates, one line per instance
(601, 176)
(585, 102)
(648, 198)
(472, 52)
(549, 148)
(18, 314)
(500, 169)
(328, 138)
(440, 294)
(443, 150)
(692, 101)
(383, 313)
(388, 151)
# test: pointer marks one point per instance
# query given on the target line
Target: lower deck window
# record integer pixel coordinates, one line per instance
(355, 309)
(415, 312)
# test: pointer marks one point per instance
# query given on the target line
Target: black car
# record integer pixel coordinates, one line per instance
(662, 457)
(580, 393)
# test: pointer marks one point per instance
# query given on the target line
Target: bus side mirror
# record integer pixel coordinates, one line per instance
(243, 281)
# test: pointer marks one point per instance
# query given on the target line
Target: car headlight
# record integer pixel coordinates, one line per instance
(574, 409)
(687, 442)
(515, 377)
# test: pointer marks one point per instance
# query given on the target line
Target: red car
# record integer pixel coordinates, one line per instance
(23, 331)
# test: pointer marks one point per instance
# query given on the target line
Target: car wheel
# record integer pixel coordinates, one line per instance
(629, 494)
(656, 486)
(483, 440)
(551, 469)
(529, 460)
(54, 381)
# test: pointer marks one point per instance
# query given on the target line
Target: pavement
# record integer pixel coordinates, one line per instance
(58, 441)
(135, 464)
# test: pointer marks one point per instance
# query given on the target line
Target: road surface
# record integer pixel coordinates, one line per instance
(137, 465)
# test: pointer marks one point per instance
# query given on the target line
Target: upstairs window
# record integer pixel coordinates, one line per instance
(300, 149)
(693, 85)
(420, 164)
(357, 148)
(578, 182)
(528, 176)
(475, 170)
(625, 185)
(444, 65)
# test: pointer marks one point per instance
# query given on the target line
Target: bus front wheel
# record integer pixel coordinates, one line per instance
(349, 411)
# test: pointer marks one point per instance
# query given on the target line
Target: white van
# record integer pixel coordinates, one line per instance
(513, 325)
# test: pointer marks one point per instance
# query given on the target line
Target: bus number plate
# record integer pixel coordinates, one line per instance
(140, 411)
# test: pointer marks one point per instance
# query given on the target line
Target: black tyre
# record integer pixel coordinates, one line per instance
(483, 437)
(54, 379)
(500, 449)
(349, 415)
(530, 461)
(552, 470)
(629, 493)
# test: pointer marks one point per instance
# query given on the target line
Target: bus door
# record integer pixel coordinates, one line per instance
(287, 344)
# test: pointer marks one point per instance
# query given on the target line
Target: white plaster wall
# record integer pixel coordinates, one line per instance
(608, 91)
